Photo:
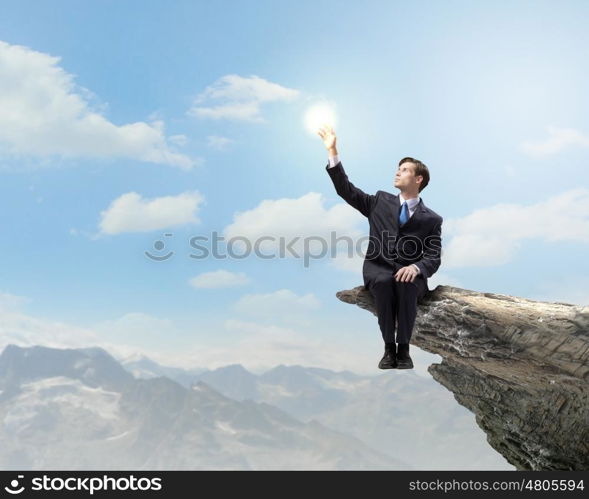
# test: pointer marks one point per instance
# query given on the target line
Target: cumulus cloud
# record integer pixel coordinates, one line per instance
(239, 98)
(296, 227)
(133, 213)
(491, 236)
(558, 140)
(219, 279)
(43, 113)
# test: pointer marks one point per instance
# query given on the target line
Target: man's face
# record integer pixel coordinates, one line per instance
(405, 176)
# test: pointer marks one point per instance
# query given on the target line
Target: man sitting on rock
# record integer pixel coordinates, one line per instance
(404, 248)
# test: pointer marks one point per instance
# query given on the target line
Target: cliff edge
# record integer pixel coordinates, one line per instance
(521, 366)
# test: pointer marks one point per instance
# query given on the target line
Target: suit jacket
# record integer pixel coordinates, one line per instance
(391, 247)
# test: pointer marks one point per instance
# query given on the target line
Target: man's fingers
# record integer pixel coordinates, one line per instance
(405, 274)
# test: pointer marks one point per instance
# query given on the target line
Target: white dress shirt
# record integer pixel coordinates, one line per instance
(411, 203)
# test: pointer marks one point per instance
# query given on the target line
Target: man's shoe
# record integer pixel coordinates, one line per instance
(405, 363)
(388, 360)
(403, 358)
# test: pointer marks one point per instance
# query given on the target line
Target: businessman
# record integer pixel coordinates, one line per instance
(404, 248)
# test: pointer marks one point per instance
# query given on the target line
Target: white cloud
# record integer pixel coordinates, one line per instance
(219, 279)
(236, 97)
(492, 236)
(218, 143)
(43, 113)
(558, 140)
(304, 224)
(283, 305)
(132, 213)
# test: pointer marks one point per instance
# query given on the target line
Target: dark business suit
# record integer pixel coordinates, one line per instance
(391, 247)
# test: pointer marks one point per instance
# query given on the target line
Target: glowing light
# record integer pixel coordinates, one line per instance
(319, 115)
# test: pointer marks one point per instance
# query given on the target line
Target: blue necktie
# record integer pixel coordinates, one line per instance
(404, 216)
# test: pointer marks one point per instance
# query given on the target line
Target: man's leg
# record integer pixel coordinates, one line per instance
(408, 294)
(382, 288)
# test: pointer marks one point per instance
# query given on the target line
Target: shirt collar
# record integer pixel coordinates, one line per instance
(411, 203)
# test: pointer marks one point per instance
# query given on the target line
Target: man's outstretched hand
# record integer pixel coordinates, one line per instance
(328, 136)
(406, 274)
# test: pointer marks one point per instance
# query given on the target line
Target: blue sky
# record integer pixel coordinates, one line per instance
(123, 121)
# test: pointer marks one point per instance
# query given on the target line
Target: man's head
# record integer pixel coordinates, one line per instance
(412, 175)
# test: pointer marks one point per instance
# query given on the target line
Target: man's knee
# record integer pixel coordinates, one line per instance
(406, 288)
(383, 279)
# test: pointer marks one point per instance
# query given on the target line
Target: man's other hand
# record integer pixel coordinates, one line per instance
(406, 274)
(328, 136)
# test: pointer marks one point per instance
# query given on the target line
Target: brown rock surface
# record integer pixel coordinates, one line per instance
(521, 366)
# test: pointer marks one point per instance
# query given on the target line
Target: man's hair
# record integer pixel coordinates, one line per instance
(420, 169)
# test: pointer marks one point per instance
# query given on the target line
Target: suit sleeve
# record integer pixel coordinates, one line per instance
(349, 192)
(432, 252)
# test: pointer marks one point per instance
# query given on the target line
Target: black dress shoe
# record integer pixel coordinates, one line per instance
(388, 360)
(405, 363)
(403, 358)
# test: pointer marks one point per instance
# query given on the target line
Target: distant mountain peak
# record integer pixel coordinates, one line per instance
(92, 365)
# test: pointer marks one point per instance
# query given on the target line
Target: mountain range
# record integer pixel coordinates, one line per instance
(81, 409)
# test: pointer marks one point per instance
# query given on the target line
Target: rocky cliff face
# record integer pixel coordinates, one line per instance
(521, 366)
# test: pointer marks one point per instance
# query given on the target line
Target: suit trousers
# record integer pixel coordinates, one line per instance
(396, 302)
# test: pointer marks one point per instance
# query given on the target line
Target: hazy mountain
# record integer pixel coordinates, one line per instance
(145, 368)
(80, 409)
(398, 412)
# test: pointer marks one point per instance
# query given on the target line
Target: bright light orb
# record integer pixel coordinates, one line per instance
(318, 116)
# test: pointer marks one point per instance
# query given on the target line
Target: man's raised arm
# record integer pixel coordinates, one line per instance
(346, 190)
